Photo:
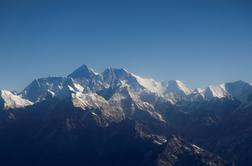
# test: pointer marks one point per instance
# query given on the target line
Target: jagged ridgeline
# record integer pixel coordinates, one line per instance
(119, 118)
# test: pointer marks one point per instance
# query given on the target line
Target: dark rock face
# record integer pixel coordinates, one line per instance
(55, 133)
(230, 138)
(222, 127)
(83, 72)
(178, 152)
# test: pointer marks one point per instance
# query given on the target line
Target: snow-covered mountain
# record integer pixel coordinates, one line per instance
(104, 108)
(84, 72)
(151, 85)
(215, 92)
(97, 105)
(178, 87)
(8, 100)
(129, 102)
(86, 80)
(240, 90)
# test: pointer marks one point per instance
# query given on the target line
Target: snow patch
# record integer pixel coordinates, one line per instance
(12, 101)
(151, 85)
(183, 87)
(218, 91)
(78, 87)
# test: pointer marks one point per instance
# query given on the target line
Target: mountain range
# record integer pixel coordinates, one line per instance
(119, 118)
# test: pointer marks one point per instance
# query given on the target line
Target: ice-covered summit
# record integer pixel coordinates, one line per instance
(83, 71)
(178, 87)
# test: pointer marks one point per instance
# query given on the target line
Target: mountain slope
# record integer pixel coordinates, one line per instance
(8, 100)
(180, 153)
(178, 87)
(83, 72)
(59, 134)
(240, 90)
(216, 92)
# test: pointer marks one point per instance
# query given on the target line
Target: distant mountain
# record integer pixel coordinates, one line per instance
(84, 72)
(124, 119)
(85, 79)
(178, 87)
(239, 89)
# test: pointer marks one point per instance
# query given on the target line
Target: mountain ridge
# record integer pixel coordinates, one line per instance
(86, 80)
(173, 90)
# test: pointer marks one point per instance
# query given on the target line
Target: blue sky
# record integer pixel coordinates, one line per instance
(200, 42)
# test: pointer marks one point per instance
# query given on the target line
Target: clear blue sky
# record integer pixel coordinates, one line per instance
(199, 42)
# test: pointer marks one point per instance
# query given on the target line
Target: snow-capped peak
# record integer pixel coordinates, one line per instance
(83, 71)
(178, 87)
(216, 92)
(150, 85)
(239, 89)
(113, 74)
(85, 80)
(11, 101)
